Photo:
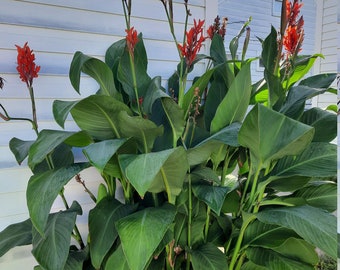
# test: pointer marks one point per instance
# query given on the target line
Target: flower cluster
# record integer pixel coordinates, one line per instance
(131, 39)
(294, 33)
(217, 28)
(194, 40)
(26, 65)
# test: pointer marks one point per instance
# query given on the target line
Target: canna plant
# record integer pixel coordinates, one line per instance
(220, 174)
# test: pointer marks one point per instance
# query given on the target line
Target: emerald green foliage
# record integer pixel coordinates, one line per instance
(201, 179)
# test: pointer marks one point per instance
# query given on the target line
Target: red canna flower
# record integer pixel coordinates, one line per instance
(131, 39)
(194, 40)
(26, 66)
(216, 28)
(294, 34)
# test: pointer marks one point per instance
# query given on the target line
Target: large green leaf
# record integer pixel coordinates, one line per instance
(75, 259)
(102, 229)
(302, 65)
(299, 250)
(114, 52)
(320, 80)
(20, 148)
(117, 260)
(234, 105)
(175, 118)
(208, 256)
(157, 171)
(52, 249)
(217, 50)
(61, 109)
(155, 91)
(202, 152)
(266, 235)
(43, 189)
(98, 115)
(269, 51)
(143, 130)
(314, 225)
(317, 160)
(275, 261)
(324, 123)
(319, 195)
(199, 84)
(270, 135)
(49, 139)
(17, 234)
(100, 153)
(125, 70)
(142, 232)
(96, 69)
(213, 196)
(296, 100)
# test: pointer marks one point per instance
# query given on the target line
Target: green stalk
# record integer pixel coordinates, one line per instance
(239, 242)
(207, 221)
(134, 80)
(34, 112)
(254, 185)
(189, 221)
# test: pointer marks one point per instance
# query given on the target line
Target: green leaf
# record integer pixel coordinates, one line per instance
(142, 232)
(175, 117)
(317, 160)
(213, 196)
(96, 69)
(217, 50)
(294, 105)
(201, 84)
(100, 153)
(155, 91)
(217, 92)
(20, 148)
(48, 140)
(117, 260)
(312, 224)
(269, 142)
(43, 189)
(301, 67)
(18, 234)
(298, 249)
(61, 109)
(234, 105)
(102, 229)
(140, 63)
(322, 196)
(275, 261)
(143, 130)
(98, 115)
(51, 251)
(157, 171)
(265, 235)
(319, 81)
(114, 52)
(233, 46)
(202, 153)
(324, 123)
(249, 265)
(75, 260)
(208, 256)
(269, 51)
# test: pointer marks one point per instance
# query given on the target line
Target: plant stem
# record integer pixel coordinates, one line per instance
(207, 221)
(239, 242)
(254, 185)
(134, 80)
(34, 112)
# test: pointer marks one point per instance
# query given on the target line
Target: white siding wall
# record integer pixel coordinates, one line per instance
(327, 43)
(263, 16)
(55, 30)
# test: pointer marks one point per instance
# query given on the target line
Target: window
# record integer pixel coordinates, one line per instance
(277, 4)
